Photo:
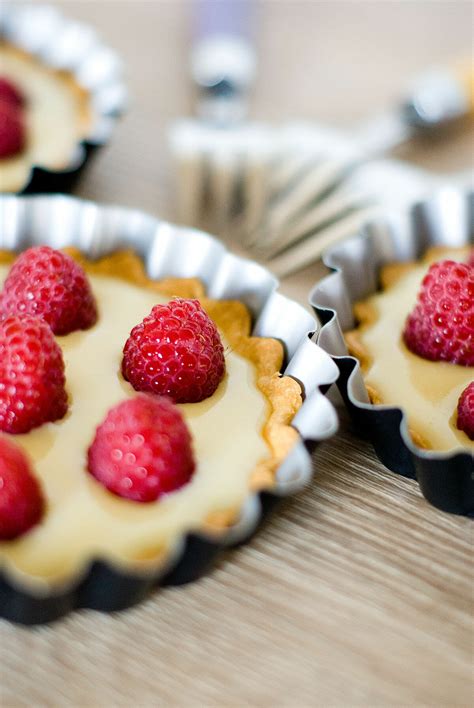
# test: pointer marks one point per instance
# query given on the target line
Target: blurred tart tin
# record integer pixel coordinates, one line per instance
(447, 219)
(39, 34)
(168, 250)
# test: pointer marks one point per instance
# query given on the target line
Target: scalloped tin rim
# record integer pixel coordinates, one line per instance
(61, 220)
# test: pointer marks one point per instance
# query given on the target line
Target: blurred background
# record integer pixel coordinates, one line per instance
(333, 62)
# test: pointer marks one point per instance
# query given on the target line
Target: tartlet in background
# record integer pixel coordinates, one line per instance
(446, 478)
(73, 89)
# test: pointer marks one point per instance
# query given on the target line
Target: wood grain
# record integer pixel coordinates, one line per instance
(357, 592)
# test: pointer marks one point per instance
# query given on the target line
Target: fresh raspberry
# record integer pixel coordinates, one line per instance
(31, 375)
(12, 130)
(21, 499)
(176, 351)
(10, 93)
(470, 260)
(142, 450)
(466, 411)
(441, 327)
(49, 284)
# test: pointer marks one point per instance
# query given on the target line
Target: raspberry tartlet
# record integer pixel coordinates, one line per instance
(44, 114)
(415, 343)
(122, 471)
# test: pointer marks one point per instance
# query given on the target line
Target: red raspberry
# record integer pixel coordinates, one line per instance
(176, 351)
(10, 93)
(466, 411)
(21, 499)
(31, 375)
(441, 327)
(12, 130)
(49, 284)
(470, 260)
(142, 450)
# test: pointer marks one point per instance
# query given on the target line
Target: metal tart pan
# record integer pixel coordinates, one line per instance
(168, 250)
(62, 43)
(445, 219)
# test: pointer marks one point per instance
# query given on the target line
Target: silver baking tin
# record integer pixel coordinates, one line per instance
(446, 219)
(169, 250)
(62, 43)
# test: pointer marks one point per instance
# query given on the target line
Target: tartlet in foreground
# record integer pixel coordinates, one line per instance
(83, 521)
(169, 250)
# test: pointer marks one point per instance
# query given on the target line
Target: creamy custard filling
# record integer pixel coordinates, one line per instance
(427, 390)
(84, 520)
(57, 117)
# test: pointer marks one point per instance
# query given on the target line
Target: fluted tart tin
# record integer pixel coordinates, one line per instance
(446, 219)
(167, 250)
(60, 43)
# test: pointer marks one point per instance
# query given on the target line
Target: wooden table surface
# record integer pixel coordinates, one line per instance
(357, 592)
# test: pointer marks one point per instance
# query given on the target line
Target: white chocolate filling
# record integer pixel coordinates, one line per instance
(56, 116)
(85, 521)
(427, 390)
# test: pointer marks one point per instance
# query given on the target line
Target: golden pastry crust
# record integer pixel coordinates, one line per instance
(366, 315)
(233, 319)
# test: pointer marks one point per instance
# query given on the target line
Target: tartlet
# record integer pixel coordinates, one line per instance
(83, 520)
(73, 95)
(444, 220)
(171, 251)
(57, 114)
(427, 390)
